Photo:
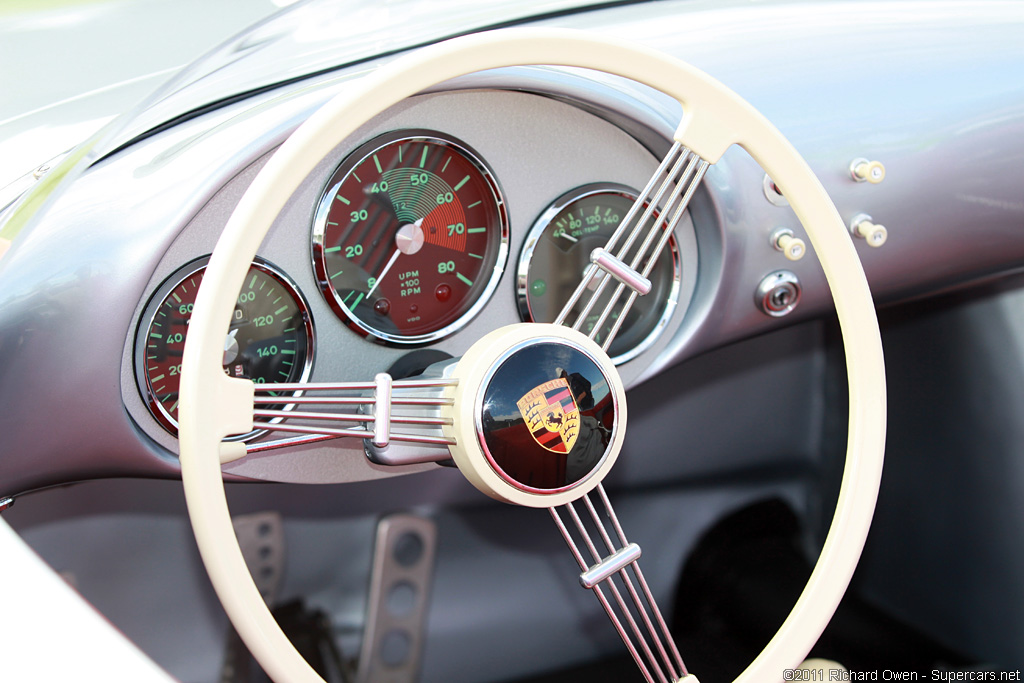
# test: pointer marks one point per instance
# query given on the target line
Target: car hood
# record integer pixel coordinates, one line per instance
(318, 36)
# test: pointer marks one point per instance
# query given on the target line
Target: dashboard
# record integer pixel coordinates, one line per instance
(535, 139)
(477, 256)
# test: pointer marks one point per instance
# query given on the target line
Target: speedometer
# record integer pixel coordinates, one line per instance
(410, 237)
(270, 338)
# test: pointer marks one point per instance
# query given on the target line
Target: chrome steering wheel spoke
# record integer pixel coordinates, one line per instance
(362, 410)
(623, 556)
(682, 171)
(679, 174)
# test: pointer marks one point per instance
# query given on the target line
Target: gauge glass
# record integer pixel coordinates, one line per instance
(270, 338)
(556, 254)
(410, 237)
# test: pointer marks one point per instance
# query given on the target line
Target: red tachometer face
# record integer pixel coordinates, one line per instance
(410, 237)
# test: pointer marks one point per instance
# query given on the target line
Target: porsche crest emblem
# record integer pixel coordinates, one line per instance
(551, 415)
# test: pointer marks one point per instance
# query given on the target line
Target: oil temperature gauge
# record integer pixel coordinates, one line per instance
(557, 253)
(270, 338)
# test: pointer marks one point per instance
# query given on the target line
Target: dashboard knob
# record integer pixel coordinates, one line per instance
(789, 244)
(864, 171)
(862, 226)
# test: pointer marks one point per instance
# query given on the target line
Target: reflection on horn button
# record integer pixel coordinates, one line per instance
(538, 415)
(547, 417)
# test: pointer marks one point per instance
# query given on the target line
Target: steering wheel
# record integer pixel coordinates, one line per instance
(213, 406)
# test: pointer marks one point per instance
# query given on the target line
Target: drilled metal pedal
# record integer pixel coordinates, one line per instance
(402, 574)
(261, 538)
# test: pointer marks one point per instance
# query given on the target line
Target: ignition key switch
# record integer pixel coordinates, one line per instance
(778, 293)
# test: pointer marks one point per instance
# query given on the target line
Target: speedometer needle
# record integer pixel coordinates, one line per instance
(230, 347)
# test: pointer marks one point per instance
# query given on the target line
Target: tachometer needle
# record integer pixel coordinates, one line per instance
(409, 240)
(391, 262)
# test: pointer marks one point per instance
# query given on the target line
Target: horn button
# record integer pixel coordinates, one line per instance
(547, 417)
(547, 411)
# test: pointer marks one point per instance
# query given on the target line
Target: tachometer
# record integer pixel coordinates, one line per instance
(410, 237)
(270, 338)
(557, 253)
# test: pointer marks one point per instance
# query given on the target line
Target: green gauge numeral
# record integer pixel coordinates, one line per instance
(263, 320)
(245, 297)
(420, 179)
(456, 229)
(357, 250)
(175, 338)
(446, 267)
(359, 215)
(445, 198)
(376, 188)
(185, 309)
(267, 351)
(175, 370)
(370, 282)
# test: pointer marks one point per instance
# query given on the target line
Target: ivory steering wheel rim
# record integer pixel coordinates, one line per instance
(213, 406)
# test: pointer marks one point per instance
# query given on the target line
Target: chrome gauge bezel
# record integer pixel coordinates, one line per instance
(319, 228)
(156, 409)
(545, 219)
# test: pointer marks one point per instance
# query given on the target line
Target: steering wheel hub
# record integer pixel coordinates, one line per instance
(538, 415)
